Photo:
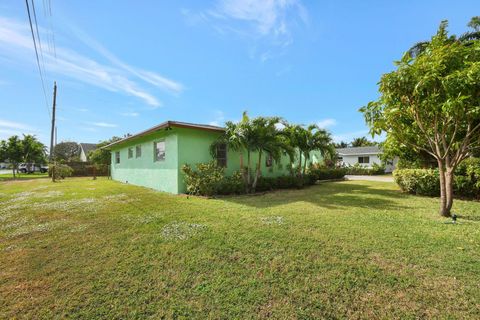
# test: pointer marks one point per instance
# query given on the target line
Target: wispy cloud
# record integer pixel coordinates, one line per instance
(130, 114)
(148, 76)
(326, 123)
(10, 128)
(14, 125)
(219, 119)
(15, 42)
(103, 124)
(270, 20)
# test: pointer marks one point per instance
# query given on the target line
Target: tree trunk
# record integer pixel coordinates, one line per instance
(444, 211)
(300, 164)
(13, 169)
(449, 189)
(258, 171)
(304, 165)
(247, 173)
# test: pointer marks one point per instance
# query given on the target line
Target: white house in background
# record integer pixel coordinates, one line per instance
(85, 148)
(364, 156)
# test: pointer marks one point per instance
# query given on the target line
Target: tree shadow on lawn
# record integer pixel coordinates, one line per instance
(330, 195)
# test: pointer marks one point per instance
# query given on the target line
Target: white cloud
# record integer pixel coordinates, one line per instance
(16, 43)
(269, 21)
(14, 125)
(326, 123)
(219, 119)
(130, 114)
(103, 124)
(11, 128)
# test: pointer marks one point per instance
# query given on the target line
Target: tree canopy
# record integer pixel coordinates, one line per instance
(431, 104)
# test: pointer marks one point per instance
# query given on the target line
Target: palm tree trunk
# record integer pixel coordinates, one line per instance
(258, 171)
(247, 184)
(305, 165)
(300, 164)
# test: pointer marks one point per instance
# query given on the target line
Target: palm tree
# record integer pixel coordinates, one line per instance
(316, 139)
(362, 142)
(465, 38)
(265, 138)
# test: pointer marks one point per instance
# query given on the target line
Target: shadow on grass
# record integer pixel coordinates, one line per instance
(331, 195)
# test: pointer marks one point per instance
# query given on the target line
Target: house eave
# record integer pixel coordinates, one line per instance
(165, 125)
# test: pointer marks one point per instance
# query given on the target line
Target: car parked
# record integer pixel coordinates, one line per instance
(31, 168)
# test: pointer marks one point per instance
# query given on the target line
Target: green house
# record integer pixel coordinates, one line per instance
(153, 158)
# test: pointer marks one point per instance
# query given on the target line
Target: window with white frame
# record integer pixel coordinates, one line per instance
(130, 153)
(117, 157)
(159, 151)
(363, 159)
(138, 151)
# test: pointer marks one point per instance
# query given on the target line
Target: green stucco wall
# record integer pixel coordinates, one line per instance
(144, 171)
(183, 146)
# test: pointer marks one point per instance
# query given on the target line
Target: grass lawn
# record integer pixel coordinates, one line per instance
(356, 249)
(22, 176)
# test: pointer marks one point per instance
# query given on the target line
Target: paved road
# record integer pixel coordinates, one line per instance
(370, 178)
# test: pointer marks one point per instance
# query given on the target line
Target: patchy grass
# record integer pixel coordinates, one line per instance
(100, 249)
(22, 176)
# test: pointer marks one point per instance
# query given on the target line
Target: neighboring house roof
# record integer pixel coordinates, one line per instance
(168, 124)
(87, 147)
(358, 150)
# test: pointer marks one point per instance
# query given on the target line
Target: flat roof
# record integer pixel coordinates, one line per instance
(168, 124)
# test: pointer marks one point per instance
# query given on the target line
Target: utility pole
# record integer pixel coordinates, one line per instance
(52, 156)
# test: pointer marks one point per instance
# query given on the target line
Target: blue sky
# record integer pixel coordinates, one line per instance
(124, 66)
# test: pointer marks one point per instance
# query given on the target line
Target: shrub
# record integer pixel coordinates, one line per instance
(466, 182)
(205, 181)
(61, 171)
(323, 173)
(232, 184)
(358, 169)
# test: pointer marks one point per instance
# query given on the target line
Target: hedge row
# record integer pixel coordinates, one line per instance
(208, 180)
(358, 169)
(466, 181)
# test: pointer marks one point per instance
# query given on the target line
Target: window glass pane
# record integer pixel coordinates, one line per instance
(159, 151)
(117, 157)
(138, 151)
(222, 155)
(130, 153)
(269, 160)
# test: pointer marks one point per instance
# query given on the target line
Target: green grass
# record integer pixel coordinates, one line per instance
(100, 249)
(22, 176)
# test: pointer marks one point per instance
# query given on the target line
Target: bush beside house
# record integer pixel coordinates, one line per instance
(358, 169)
(208, 179)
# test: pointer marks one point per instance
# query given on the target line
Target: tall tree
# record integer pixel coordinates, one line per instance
(12, 151)
(67, 151)
(101, 155)
(431, 103)
(464, 39)
(34, 152)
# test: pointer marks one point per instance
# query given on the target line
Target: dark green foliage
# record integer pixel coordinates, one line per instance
(466, 181)
(233, 184)
(102, 155)
(61, 171)
(320, 173)
(205, 180)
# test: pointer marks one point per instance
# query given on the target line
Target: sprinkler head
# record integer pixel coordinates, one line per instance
(454, 218)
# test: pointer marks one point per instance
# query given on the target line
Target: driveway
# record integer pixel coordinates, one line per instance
(385, 178)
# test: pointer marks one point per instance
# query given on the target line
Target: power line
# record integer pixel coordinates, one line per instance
(38, 36)
(38, 60)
